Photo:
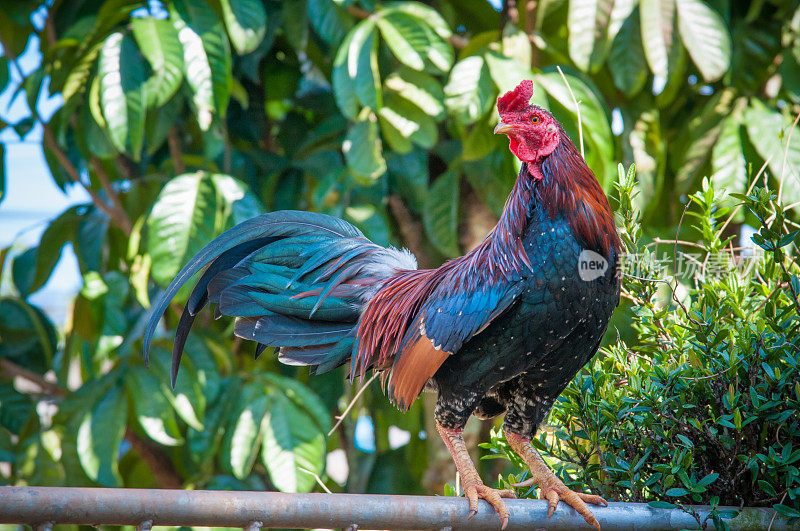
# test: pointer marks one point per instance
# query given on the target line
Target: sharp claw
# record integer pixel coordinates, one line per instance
(472, 512)
(503, 522)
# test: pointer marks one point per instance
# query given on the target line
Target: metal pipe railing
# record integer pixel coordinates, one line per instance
(41, 507)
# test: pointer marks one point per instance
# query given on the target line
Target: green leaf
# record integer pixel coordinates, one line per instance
(16, 408)
(243, 434)
(330, 20)
(587, 21)
(727, 160)
(419, 88)
(159, 43)
(355, 70)
(440, 215)
(60, 231)
(657, 23)
(239, 203)
(206, 57)
(408, 176)
(506, 72)
(469, 92)
(2, 172)
(187, 399)
(29, 338)
(661, 505)
(122, 93)
(706, 37)
(246, 21)
(427, 14)
(152, 409)
(677, 492)
(303, 397)
(292, 444)
(786, 510)
(406, 37)
(204, 444)
(768, 131)
(99, 436)
(180, 223)
(694, 146)
(650, 156)
(408, 120)
(626, 58)
(362, 149)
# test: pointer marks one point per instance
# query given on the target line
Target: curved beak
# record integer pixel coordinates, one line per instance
(502, 128)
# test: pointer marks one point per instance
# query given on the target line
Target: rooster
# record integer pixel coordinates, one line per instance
(500, 330)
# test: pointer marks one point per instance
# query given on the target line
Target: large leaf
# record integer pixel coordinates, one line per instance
(152, 409)
(419, 88)
(469, 92)
(206, 57)
(406, 37)
(626, 59)
(204, 444)
(355, 71)
(587, 21)
(159, 43)
(408, 121)
(330, 20)
(362, 149)
(658, 25)
(293, 446)
(706, 36)
(246, 21)
(29, 338)
(440, 215)
(698, 136)
(649, 154)
(303, 397)
(99, 436)
(60, 231)
(181, 222)
(769, 132)
(243, 435)
(123, 95)
(727, 159)
(506, 72)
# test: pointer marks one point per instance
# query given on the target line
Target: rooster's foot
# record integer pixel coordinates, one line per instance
(551, 488)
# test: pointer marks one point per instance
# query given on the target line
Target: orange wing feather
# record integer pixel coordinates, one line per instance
(413, 367)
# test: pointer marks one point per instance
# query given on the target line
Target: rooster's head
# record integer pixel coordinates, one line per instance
(532, 131)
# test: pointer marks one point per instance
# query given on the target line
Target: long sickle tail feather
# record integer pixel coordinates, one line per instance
(294, 280)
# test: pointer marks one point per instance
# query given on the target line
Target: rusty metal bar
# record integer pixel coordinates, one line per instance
(93, 506)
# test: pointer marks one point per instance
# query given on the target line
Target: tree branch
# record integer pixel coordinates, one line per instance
(13, 370)
(123, 220)
(174, 142)
(410, 229)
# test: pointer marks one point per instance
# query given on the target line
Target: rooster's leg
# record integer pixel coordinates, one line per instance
(470, 480)
(551, 488)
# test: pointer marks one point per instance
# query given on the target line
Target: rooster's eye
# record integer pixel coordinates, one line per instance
(535, 119)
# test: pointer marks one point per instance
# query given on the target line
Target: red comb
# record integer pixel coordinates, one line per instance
(517, 99)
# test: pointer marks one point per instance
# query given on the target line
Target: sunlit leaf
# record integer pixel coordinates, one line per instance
(159, 43)
(152, 409)
(99, 437)
(246, 21)
(657, 24)
(706, 38)
(587, 21)
(469, 92)
(292, 446)
(362, 149)
(243, 435)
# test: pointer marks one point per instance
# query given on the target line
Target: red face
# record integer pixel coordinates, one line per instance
(533, 132)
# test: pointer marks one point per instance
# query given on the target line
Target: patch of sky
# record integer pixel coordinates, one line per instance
(31, 197)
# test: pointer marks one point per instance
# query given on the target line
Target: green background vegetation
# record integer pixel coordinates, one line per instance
(183, 118)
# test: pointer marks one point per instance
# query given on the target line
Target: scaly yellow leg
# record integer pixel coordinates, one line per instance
(474, 488)
(551, 488)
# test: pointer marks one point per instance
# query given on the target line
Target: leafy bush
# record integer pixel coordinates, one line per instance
(701, 404)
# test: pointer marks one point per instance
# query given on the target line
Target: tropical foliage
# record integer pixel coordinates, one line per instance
(181, 118)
